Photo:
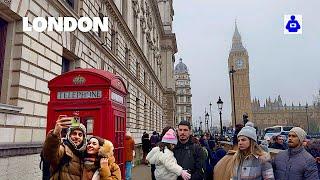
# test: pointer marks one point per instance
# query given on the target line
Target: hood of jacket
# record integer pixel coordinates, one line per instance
(81, 147)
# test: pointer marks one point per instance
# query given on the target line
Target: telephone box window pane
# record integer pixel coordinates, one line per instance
(120, 121)
(90, 126)
(123, 124)
(120, 154)
(118, 140)
(116, 121)
(121, 140)
(119, 124)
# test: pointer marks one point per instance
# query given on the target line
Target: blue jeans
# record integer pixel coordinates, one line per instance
(128, 170)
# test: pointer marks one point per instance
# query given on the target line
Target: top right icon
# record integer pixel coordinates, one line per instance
(292, 24)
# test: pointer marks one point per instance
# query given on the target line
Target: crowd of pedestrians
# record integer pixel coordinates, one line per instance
(179, 155)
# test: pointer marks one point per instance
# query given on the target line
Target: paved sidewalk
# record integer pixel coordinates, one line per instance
(141, 172)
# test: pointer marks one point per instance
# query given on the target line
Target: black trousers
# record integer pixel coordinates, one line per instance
(153, 168)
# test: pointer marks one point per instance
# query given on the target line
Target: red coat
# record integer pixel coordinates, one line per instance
(128, 148)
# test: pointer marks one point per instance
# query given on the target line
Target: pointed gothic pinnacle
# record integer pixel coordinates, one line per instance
(236, 33)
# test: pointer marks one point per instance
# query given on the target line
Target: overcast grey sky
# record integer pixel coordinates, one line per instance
(286, 65)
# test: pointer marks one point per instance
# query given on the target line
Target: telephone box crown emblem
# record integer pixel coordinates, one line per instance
(79, 80)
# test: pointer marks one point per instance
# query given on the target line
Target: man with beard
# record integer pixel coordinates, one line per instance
(295, 163)
(189, 155)
(71, 150)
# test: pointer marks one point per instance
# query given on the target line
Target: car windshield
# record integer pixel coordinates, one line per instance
(273, 130)
(287, 128)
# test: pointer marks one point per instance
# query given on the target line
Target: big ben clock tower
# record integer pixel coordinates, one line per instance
(238, 63)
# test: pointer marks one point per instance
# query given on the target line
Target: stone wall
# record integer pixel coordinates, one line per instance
(14, 168)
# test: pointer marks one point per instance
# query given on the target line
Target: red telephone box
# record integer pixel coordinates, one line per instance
(98, 98)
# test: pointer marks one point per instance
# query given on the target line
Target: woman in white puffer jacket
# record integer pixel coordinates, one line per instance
(162, 156)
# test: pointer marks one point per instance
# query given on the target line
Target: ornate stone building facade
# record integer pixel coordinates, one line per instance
(139, 46)
(238, 64)
(278, 113)
(183, 93)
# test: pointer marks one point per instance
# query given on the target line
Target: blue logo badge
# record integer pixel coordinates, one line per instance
(292, 24)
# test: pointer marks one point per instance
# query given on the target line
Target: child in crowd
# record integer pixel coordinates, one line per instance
(163, 157)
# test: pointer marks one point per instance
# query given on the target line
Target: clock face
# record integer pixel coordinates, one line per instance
(239, 64)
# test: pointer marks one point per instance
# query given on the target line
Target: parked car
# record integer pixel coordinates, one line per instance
(277, 130)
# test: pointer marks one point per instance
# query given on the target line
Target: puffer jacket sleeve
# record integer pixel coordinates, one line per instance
(266, 167)
(110, 172)
(52, 149)
(152, 156)
(311, 170)
(168, 160)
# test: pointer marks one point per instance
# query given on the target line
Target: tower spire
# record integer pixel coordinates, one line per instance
(236, 39)
(236, 34)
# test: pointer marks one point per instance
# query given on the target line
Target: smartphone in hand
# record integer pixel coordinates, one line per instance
(75, 121)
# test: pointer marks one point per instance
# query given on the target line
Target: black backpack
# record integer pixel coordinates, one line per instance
(192, 153)
(45, 166)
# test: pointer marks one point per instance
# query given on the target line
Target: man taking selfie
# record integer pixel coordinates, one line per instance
(64, 156)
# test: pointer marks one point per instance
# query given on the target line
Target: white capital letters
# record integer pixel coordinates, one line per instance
(39, 24)
(67, 24)
(103, 25)
(88, 22)
(70, 24)
(56, 25)
(25, 24)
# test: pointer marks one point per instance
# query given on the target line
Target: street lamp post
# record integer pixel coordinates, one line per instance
(220, 103)
(210, 116)
(307, 117)
(232, 71)
(207, 120)
(200, 124)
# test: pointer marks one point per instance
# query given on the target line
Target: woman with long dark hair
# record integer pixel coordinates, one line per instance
(99, 162)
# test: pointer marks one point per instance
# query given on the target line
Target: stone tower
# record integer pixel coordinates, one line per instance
(238, 61)
(183, 93)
